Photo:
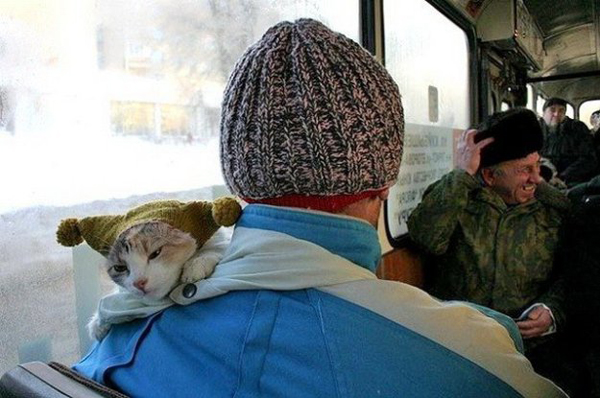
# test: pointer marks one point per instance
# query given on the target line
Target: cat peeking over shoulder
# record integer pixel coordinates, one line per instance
(155, 247)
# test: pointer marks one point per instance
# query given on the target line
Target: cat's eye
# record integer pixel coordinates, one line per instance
(119, 268)
(154, 254)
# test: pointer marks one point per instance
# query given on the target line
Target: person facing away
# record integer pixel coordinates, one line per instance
(491, 227)
(311, 137)
(567, 143)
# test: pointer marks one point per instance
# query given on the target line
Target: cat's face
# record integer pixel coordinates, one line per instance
(147, 259)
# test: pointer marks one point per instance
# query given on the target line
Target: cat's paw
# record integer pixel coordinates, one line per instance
(197, 269)
(97, 330)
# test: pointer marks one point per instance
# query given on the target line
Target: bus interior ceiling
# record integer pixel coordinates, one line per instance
(560, 57)
(571, 42)
(552, 45)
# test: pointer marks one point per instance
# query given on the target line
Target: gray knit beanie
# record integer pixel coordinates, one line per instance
(310, 119)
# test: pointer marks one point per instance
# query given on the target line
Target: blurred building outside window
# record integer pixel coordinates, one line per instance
(104, 105)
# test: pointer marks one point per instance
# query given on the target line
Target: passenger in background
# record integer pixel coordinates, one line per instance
(595, 122)
(311, 136)
(491, 227)
(595, 130)
(567, 143)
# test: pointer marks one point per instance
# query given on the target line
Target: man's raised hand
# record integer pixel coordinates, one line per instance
(469, 152)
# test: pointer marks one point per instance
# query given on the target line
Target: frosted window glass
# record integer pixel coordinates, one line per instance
(570, 111)
(540, 105)
(530, 97)
(424, 49)
(586, 109)
(104, 105)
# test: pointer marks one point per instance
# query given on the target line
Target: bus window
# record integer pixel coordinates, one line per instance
(539, 105)
(570, 111)
(413, 57)
(106, 104)
(530, 97)
(586, 109)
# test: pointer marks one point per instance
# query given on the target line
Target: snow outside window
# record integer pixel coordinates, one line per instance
(104, 105)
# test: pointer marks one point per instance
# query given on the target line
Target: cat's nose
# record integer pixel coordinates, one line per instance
(141, 284)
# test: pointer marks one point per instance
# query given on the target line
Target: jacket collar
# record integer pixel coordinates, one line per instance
(487, 195)
(544, 194)
(562, 126)
(348, 237)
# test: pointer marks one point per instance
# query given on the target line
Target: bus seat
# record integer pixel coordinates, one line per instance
(52, 380)
(402, 265)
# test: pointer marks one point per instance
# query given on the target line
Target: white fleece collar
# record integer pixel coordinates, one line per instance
(255, 259)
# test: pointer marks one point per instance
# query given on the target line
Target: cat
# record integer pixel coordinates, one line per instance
(149, 259)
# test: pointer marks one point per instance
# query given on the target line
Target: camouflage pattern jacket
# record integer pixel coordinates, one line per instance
(489, 253)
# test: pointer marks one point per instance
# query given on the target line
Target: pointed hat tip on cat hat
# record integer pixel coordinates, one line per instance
(199, 218)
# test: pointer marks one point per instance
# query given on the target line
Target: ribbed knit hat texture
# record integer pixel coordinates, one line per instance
(517, 133)
(309, 117)
(201, 219)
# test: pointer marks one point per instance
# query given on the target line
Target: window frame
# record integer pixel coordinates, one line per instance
(474, 74)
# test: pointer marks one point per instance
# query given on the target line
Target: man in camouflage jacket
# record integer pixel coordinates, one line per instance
(491, 227)
(487, 251)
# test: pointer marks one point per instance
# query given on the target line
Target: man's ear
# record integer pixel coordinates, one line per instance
(383, 195)
(488, 176)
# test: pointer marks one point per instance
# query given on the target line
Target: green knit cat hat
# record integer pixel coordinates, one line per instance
(199, 218)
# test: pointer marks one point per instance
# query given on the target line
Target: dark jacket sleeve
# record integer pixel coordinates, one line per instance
(555, 296)
(585, 165)
(580, 254)
(434, 220)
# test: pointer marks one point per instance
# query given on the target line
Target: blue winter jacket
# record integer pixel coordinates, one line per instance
(295, 310)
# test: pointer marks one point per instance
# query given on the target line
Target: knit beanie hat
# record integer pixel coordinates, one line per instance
(310, 119)
(516, 132)
(554, 101)
(200, 219)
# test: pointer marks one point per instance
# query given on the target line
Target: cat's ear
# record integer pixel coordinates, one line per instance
(226, 211)
(69, 233)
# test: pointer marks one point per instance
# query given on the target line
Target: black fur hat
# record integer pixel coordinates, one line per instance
(517, 133)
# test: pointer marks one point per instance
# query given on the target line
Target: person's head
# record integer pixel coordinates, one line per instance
(510, 165)
(595, 120)
(555, 110)
(310, 120)
(515, 181)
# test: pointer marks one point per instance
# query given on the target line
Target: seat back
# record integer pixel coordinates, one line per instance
(53, 380)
